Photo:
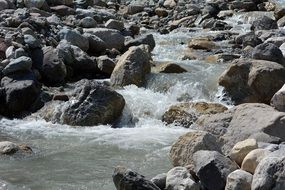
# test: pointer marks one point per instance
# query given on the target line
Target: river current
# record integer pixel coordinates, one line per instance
(84, 158)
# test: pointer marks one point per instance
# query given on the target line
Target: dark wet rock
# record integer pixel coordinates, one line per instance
(106, 65)
(146, 40)
(279, 12)
(96, 104)
(181, 153)
(88, 22)
(12, 149)
(31, 41)
(131, 68)
(53, 69)
(248, 39)
(170, 68)
(236, 124)
(269, 52)
(96, 44)
(269, 174)
(126, 179)
(160, 180)
(20, 64)
(212, 168)
(34, 3)
(252, 80)
(264, 23)
(20, 92)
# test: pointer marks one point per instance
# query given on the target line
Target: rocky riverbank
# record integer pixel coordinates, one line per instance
(66, 62)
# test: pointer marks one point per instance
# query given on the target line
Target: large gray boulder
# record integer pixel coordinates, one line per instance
(179, 178)
(270, 174)
(257, 121)
(131, 68)
(181, 153)
(95, 104)
(34, 3)
(250, 81)
(112, 38)
(126, 179)
(269, 52)
(212, 168)
(96, 44)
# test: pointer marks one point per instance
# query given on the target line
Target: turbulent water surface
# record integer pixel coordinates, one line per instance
(84, 158)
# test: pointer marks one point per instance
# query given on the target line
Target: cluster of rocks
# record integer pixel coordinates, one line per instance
(237, 148)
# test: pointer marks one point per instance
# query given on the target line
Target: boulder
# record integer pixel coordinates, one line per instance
(112, 38)
(63, 10)
(75, 38)
(249, 80)
(179, 178)
(146, 40)
(21, 91)
(212, 168)
(95, 104)
(106, 65)
(3, 5)
(269, 52)
(202, 43)
(278, 100)
(96, 44)
(170, 68)
(115, 24)
(20, 64)
(7, 147)
(170, 3)
(239, 180)
(131, 68)
(253, 158)
(126, 179)
(264, 23)
(34, 3)
(53, 69)
(134, 8)
(181, 153)
(160, 180)
(269, 174)
(281, 22)
(237, 124)
(32, 41)
(248, 39)
(279, 12)
(241, 149)
(88, 22)
(161, 12)
(185, 114)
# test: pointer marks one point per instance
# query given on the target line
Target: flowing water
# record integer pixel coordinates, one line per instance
(84, 158)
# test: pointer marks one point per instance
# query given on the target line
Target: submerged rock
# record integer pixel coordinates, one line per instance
(185, 114)
(170, 68)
